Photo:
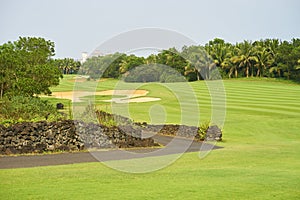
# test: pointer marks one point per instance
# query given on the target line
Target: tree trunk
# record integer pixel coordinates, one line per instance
(229, 74)
(236, 73)
(198, 76)
(258, 72)
(2, 88)
(247, 72)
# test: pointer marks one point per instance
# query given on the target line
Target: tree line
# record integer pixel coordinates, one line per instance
(27, 66)
(264, 58)
(28, 69)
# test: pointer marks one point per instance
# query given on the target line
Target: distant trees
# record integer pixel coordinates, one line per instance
(109, 66)
(67, 65)
(130, 62)
(287, 57)
(263, 58)
(199, 62)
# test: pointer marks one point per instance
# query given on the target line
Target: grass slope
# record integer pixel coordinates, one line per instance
(261, 158)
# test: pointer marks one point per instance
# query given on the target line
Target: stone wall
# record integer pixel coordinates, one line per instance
(174, 130)
(213, 132)
(67, 135)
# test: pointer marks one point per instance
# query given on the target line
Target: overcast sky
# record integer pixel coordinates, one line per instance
(82, 25)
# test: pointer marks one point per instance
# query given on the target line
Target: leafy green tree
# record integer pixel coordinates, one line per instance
(92, 67)
(172, 58)
(285, 60)
(107, 66)
(130, 62)
(144, 73)
(114, 61)
(296, 59)
(199, 62)
(7, 67)
(27, 68)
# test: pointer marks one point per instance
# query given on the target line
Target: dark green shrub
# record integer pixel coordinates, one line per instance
(20, 108)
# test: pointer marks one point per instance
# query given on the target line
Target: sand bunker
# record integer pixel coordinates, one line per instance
(129, 93)
(79, 79)
(143, 99)
(134, 100)
(131, 96)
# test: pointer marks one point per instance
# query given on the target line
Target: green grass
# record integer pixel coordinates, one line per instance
(67, 105)
(68, 84)
(260, 158)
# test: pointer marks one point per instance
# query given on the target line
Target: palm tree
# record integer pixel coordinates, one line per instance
(218, 50)
(272, 46)
(151, 59)
(277, 70)
(245, 56)
(232, 64)
(199, 62)
(124, 66)
(68, 65)
(190, 69)
(298, 66)
(263, 60)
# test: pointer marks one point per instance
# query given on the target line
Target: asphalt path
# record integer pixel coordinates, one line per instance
(172, 145)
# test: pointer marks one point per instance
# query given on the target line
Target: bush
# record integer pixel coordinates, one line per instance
(203, 129)
(143, 74)
(171, 78)
(20, 108)
(89, 114)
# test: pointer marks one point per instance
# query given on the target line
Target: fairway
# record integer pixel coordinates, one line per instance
(260, 158)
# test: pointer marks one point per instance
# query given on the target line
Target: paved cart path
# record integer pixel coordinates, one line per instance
(173, 145)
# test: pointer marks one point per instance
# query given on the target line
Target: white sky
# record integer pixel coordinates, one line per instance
(82, 25)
